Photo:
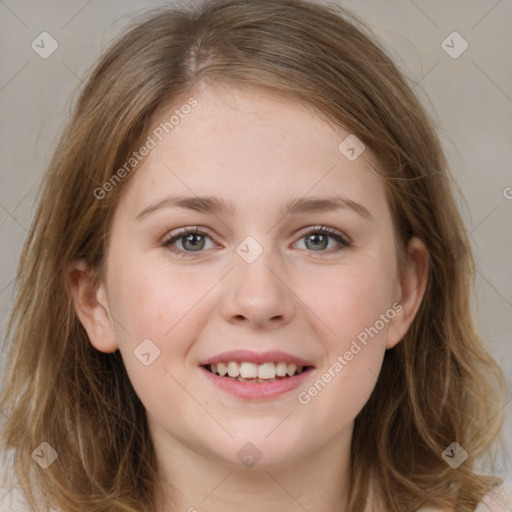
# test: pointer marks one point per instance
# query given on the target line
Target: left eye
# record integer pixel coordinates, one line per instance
(318, 237)
(193, 240)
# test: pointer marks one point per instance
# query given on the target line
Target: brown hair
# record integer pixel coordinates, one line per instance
(437, 386)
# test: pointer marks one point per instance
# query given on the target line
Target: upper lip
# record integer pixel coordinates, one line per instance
(255, 357)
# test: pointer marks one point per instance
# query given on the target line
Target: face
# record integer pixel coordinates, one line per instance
(261, 275)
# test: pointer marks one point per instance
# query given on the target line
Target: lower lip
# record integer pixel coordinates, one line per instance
(257, 390)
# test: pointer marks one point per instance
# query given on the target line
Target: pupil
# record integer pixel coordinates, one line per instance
(316, 236)
(189, 238)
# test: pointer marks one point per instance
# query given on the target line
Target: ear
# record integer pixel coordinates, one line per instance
(409, 290)
(91, 307)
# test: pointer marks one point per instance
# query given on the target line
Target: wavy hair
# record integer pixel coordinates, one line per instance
(437, 386)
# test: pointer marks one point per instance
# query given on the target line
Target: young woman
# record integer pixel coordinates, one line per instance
(247, 285)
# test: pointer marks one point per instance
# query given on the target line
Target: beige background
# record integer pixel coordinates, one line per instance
(470, 98)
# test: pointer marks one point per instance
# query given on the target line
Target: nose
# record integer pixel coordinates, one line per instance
(257, 294)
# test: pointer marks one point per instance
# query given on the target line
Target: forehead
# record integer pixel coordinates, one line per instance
(250, 146)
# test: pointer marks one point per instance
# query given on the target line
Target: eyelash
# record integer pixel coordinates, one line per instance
(324, 230)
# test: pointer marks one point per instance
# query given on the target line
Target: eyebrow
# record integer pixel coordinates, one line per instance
(211, 204)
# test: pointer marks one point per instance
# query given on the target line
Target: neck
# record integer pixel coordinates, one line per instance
(195, 481)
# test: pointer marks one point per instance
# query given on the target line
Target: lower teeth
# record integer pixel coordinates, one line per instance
(252, 379)
(241, 379)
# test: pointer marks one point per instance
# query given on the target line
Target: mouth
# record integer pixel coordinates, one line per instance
(259, 379)
(256, 375)
(244, 371)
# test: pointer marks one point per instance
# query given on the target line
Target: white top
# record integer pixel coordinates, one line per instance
(498, 500)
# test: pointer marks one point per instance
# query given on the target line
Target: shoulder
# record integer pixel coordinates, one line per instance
(498, 499)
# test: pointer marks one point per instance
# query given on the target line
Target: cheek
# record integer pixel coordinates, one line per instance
(167, 306)
(351, 300)
(156, 312)
(355, 306)
(151, 299)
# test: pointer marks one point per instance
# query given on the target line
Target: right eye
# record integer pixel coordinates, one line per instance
(191, 240)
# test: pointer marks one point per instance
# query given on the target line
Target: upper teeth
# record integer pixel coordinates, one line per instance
(252, 370)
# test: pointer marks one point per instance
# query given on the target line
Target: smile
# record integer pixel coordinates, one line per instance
(252, 372)
(255, 388)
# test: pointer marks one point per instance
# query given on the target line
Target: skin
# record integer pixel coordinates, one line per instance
(258, 151)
